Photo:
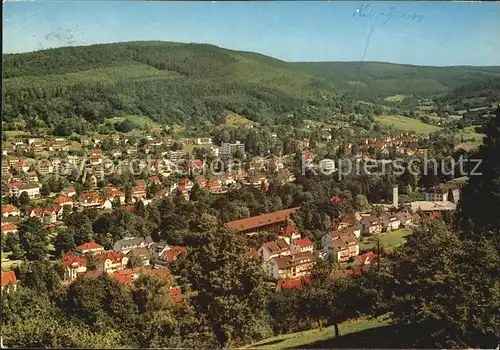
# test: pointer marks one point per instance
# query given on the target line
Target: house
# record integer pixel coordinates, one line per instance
(90, 200)
(142, 254)
(113, 193)
(301, 245)
(405, 218)
(9, 281)
(31, 176)
(73, 265)
(352, 230)
(282, 286)
(9, 228)
(370, 225)
(157, 250)
(347, 222)
(111, 261)
(340, 246)
(291, 266)
(449, 192)
(49, 216)
(36, 213)
(172, 254)
(10, 210)
(274, 249)
(116, 153)
(90, 247)
(365, 259)
(63, 200)
(252, 252)
(23, 165)
(214, 187)
(289, 234)
(45, 167)
(32, 189)
(138, 192)
(202, 141)
(271, 222)
(69, 191)
(127, 244)
(389, 222)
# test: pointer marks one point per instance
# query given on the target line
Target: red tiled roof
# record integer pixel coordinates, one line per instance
(260, 220)
(349, 221)
(111, 255)
(88, 245)
(62, 199)
(175, 294)
(90, 274)
(293, 284)
(288, 230)
(90, 196)
(69, 259)
(251, 252)
(8, 277)
(9, 208)
(304, 242)
(138, 189)
(363, 258)
(9, 227)
(172, 254)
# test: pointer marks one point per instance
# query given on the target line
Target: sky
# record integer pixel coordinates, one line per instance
(421, 33)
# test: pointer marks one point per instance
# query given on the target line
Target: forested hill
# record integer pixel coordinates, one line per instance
(379, 79)
(197, 83)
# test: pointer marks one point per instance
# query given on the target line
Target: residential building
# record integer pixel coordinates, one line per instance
(111, 261)
(69, 191)
(274, 249)
(157, 250)
(370, 225)
(341, 246)
(289, 234)
(32, 189)
(90, 247)
(390, 222)
(365, 259)
(449, 192)
(292, 284)
(73, 265)
(9, 228)
(202, 141)
(302, 245)
(291, 266)
(142, 254)
(127, 244)
(227, 149)
(271, 222)
(63, 200)
(10, 210)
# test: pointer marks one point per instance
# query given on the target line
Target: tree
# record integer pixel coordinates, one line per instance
(40, 276)
(229, 285)
(444, 287)
(33, 239)
(63, 242)
(479, 206)
(24, 199)
(45, 190)
(139, 209)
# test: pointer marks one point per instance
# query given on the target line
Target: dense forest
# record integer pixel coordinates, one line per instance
(177, 83)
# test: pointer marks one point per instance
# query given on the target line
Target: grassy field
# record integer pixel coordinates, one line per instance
(303, 339)
(136, 119)
(189, 148)
(387, 239)
(406, 124)
(470, 133)
(235, 120)
(395, 98)
(16, 133)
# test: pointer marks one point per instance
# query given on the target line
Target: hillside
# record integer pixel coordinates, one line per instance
(196, 84)
(378, 79)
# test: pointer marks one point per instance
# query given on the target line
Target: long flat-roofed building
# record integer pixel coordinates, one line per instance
(271, 222)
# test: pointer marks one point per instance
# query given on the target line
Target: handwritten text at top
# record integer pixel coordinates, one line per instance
(365, 11)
